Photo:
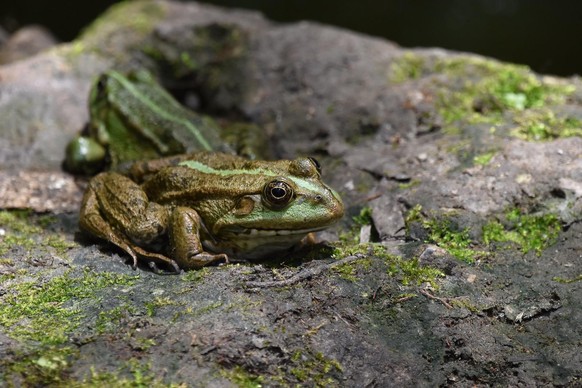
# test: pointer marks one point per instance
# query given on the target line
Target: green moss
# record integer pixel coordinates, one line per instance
(47, 366)
(18, 231)
(342, 249)
(473, 90)
(46, 220)
(11, 241)
(39, 311)
(58, 243)
(140, 376)
(484, 158)
(241, 378)
(542, 125)
(529, 232)
(24, 230)
(414, 214)
(568, 281)
(358, 221)
(465, 303)
(442, 232)
(196, 276)
(409, 66)
(315, 369)
(52, 366)
(364, 218)
(411, 272)
(408, 272)
(206, 309)
(18, 221)
(304, 367)
(188, 61)
(456, 242)
(158, 302)
(495, 88)
(408, 185)
(349, 271)
(108, 320)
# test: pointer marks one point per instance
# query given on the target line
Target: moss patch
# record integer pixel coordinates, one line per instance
(314, 369)
(484, 158)
(140, 376)
(471, 90)
(407, 272)
(41, 311)
(21, 230)
(44, 367)
(446, 234)
(364, 218)
(530, 232)
(243, 379)
(17, 230)
(543, 124)
(349, 271)
(568, 281)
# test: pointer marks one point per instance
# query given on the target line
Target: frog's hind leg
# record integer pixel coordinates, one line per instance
(91, 221)
(113, 200)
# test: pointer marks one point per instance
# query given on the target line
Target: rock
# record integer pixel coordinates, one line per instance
(26, 42)
(387, 213)
(42, 192)
(443, 144)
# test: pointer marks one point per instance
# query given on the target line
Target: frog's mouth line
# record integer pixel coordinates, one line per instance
(273, 232)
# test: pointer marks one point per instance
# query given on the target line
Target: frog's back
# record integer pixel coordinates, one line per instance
(209, 176)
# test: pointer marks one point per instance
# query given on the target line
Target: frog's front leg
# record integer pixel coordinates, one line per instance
(184, 233)
(116, 209)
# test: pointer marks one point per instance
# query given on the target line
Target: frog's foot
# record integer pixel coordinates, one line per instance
(184, 236)
(153, 259)
(203, 259)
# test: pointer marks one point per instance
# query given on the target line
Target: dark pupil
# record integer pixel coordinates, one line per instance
(278, 192)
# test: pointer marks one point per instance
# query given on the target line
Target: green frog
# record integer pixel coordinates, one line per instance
(189, 211)
(133, 118)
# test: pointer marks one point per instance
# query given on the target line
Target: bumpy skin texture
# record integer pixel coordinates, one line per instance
(134, 118)
(168, 211)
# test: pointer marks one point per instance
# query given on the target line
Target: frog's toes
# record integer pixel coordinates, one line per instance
(203, 259)
(153, 267)
(174, 268)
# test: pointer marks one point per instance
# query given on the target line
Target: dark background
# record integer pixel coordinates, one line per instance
(544, 34)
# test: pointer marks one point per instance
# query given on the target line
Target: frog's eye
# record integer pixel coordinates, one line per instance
(277, 194)
(316, 164)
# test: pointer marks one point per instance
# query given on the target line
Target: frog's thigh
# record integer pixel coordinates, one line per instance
(91, 221)
(125, 205)
(184, 235)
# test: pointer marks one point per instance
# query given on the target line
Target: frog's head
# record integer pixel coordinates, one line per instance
(289, 203)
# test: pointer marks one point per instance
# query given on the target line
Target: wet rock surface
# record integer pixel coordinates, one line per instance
(460, 267)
